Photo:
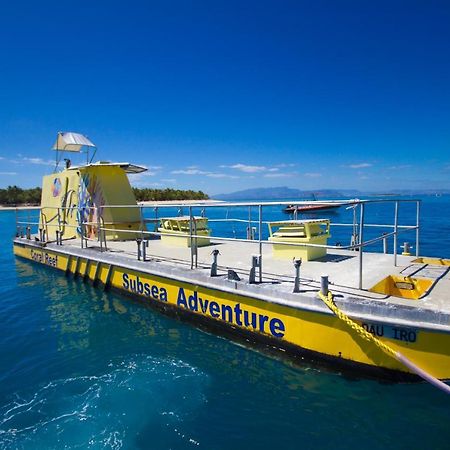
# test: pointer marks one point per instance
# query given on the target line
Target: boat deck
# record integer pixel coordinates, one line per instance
(341, 266)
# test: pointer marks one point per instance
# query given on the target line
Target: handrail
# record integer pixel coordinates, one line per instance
(357, 243)
(402, 229)
(265, 242)
(44, 222)
(265, 222)
(220, 204)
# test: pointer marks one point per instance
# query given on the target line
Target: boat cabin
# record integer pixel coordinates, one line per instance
(79, 198)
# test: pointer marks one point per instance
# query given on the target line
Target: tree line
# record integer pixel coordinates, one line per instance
(168, 194)
(14, 195)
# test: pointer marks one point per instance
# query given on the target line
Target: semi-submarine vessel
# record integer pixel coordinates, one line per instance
(281, 286)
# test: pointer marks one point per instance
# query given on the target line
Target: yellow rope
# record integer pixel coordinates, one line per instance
(328, 300)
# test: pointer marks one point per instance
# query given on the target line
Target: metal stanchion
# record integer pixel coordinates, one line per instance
(324, 285)
(260, 244)
(297, 264)
(215, 254)
(361, 248)
(395, 233)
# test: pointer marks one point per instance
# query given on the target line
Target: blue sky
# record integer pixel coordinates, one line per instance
(223, 96)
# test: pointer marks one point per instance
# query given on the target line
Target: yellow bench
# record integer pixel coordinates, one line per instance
(283, 233)
(176, 231)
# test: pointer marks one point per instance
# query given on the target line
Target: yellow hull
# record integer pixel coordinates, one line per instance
(287, 327)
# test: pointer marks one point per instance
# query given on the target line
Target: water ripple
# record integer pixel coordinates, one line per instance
(105, 411)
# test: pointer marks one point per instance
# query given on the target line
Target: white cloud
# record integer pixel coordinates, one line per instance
(189, 172)
(26, 160)
(400, 167)
(221, 175)
(359, 165)
(282, 165)
(8, 173)
(169, 180)
(38, 161)
(278, 175)
(141, 179)
(196, 171)
(146, 184)
(246, 168)
(312, 174)
(153, 167)
(140, 175)
(257, 169)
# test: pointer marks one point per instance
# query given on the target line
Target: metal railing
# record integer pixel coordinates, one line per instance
(102, 228)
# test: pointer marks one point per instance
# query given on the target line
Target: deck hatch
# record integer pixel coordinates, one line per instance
(403, 287)
(433, 261)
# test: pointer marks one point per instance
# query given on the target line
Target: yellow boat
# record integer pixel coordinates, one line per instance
(387, 314)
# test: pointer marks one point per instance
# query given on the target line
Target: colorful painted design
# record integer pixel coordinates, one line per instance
(56, 187)
(90, 204)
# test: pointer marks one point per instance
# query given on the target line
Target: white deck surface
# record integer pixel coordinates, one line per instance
(341, 266)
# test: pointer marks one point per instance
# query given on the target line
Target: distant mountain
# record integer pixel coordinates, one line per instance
(260, 193)
(422, 191)
(283, 193)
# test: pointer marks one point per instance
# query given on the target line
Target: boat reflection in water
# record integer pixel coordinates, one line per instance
(95, 325)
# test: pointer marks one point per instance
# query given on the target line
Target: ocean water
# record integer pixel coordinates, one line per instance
(83, 368)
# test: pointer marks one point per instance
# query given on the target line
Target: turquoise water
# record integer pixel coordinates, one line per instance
(81, 368)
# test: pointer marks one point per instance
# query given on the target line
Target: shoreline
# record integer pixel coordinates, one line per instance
(179, 202)
(12, 208)
(144, 203)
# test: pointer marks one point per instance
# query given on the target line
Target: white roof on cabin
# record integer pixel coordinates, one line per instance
(71, 142)
(127, 167)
